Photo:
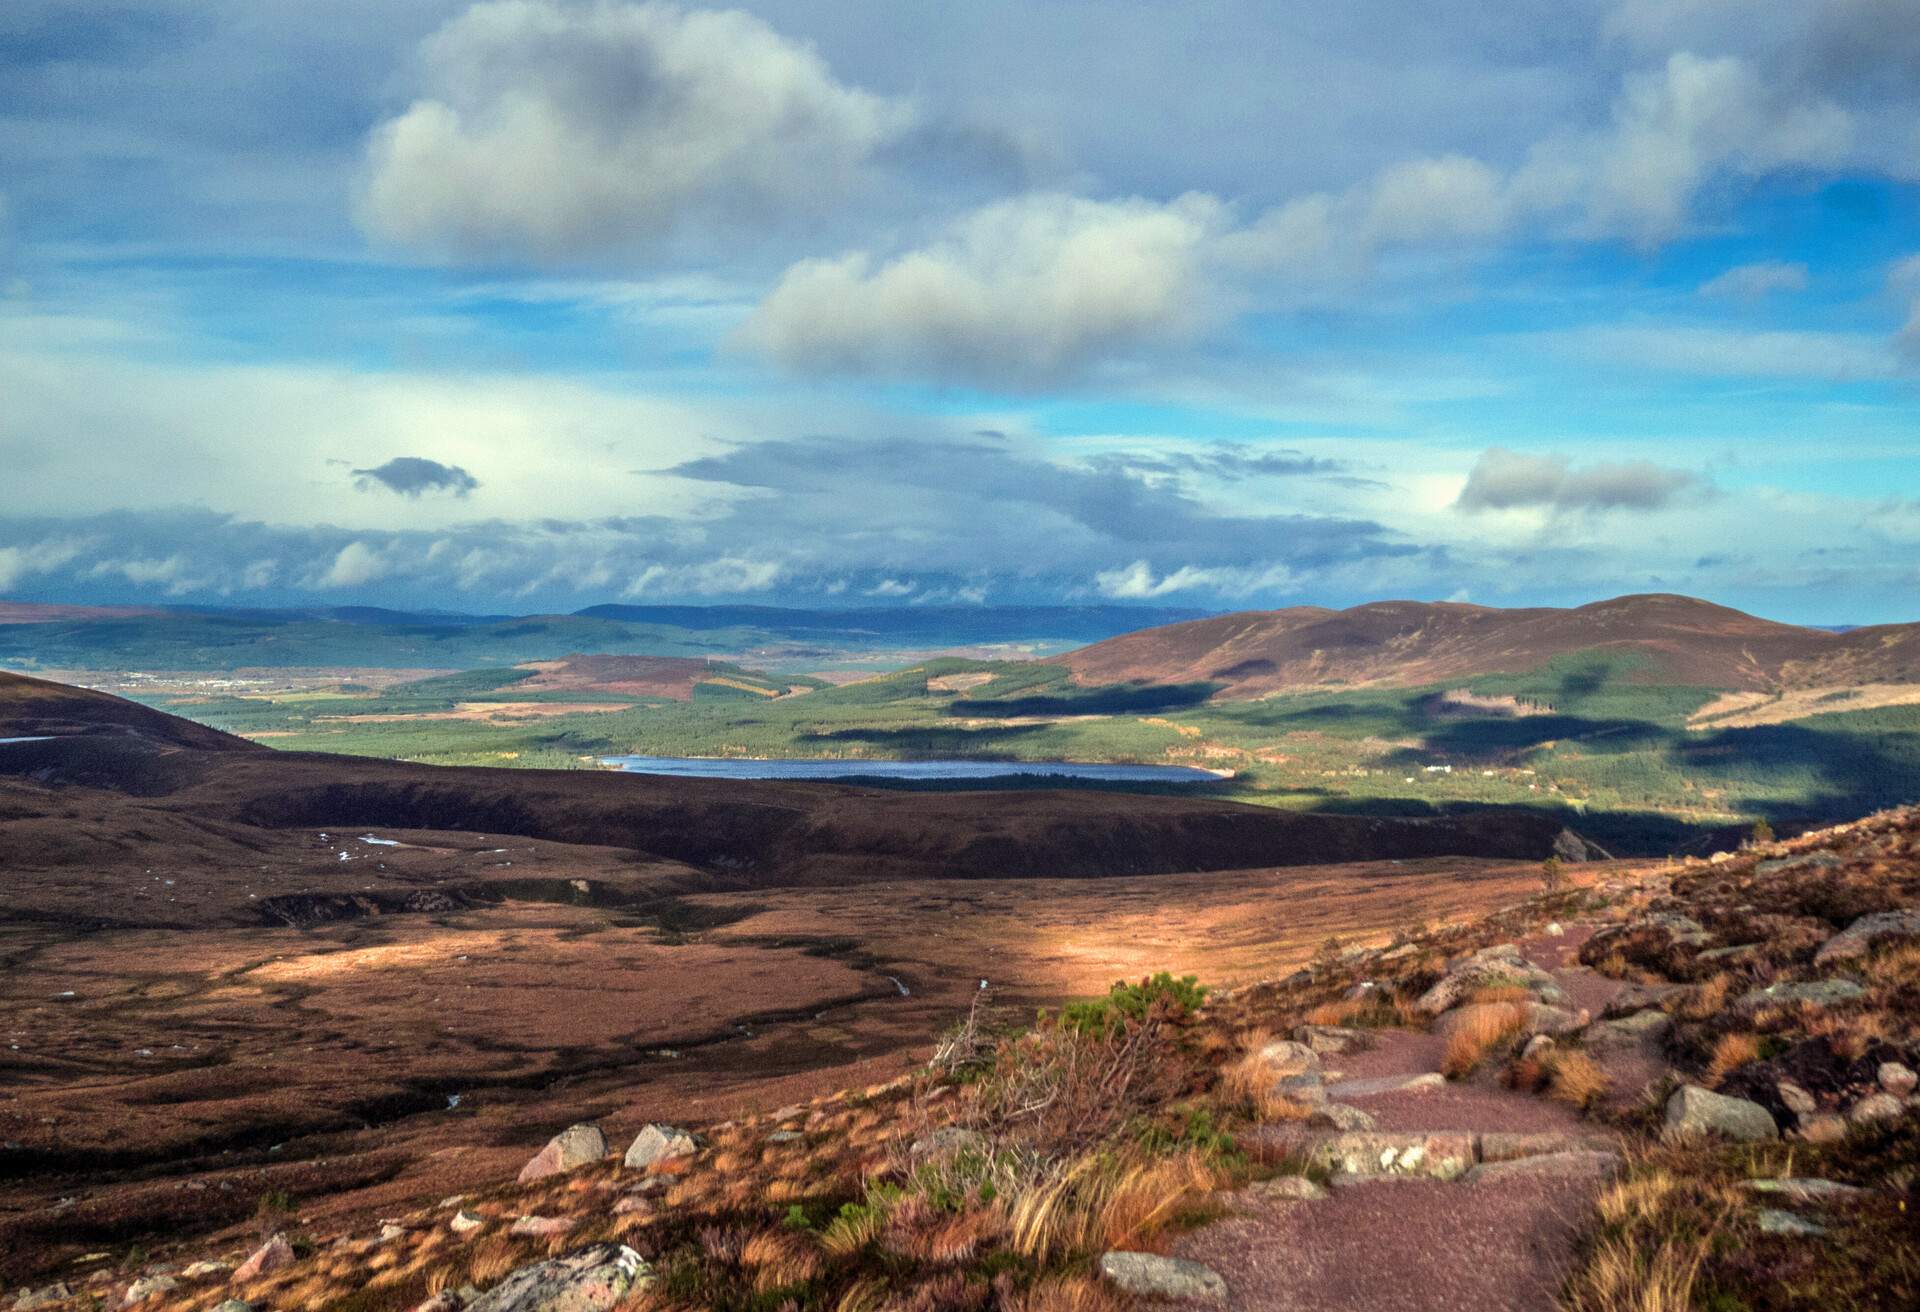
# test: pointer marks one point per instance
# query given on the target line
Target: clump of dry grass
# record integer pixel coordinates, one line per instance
(1099, 1201)
(1476, 1032)
(1704, 1000)
(1249, 1083)
(1730, 1052)
(1071, 1294)
(1575, 1078)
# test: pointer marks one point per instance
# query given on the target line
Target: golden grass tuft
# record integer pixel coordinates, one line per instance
(1704, 1000)
(1730, 1053)
(1072, 1294)
(1477, 1031)
(1575, 1078)
(1100, 1202)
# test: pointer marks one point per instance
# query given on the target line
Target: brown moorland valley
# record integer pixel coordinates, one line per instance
(237, 975)
(1646, 1087)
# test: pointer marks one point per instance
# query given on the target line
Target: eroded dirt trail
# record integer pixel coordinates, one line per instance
(1499, 1236)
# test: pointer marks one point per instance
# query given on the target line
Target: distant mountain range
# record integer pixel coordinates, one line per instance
(39, 636)
(1679, 640)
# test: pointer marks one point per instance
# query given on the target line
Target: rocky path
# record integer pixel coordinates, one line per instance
(1448, 1195)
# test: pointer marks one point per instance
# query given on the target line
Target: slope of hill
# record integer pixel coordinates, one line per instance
(36, 708)
(1680, 640)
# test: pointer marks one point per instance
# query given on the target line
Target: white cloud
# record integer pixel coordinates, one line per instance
(724, 576)
(1512, 480)
(572, 130)
(1018, 293)
(357, 564)
(1752, 281)
(1138, 582)
(22, 561)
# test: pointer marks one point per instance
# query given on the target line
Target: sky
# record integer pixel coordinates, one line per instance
(528, 305)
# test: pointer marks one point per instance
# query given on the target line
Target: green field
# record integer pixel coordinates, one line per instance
(1609, 750)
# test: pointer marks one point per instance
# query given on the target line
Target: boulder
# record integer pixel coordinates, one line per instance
(1327, 1039)
(1295, 1188)
(1812, 993)
(147, 1287)
(1853, 941)
(1805, 1189)
(1495, 966)
(1153, 1276)
(1876, 1107)
(1897, 1078)
(541, 1225)
(657, 1143)
(1283, 1058)
(1643, 1029)
(30, 1300)
(1795, 1099)
(1307, 1090)
(271, 1256)
(1773, 1221)
(574, 1146)
(465, 1222)
(1339, 1116)
(1693, 1111)
(591, 1279)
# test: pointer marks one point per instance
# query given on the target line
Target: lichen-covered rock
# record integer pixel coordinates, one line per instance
(1773, 1221)
(1294, 1188)
(147, 1287)
(1339, 1116)
(1573, 1164)
(1443, 1156)
(574, 1146)
(1853, 941)
(1694, 1111)
(1811, 993)
(465, 1223)
(1806, 1189)
(1326, 1039)
(658, 1143)
(591, 1279)
(1643, 1029)
(1500, 965)
(31, 1300)
(1284, 1058)
(541, 1225)
(1154, 1276)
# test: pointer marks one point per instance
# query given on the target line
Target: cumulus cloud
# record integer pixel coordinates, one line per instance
(1138, 581)
(1021, 292)
(1512, 480)
(1750, 282)
(356, 565)
(411, 476)
(21, 561)
(563, 130)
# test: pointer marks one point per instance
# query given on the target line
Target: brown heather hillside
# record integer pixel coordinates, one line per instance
(1409, 644)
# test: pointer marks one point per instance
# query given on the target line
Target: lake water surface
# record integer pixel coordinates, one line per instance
(704, 767)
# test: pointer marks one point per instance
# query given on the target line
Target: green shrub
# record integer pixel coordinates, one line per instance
(1132, 1002)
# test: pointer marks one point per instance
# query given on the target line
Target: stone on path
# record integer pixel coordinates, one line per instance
(1507, 1145)
(1340, 1116)
(271, 1256)
(1442, 1156)
(591, 1279)
(657, 1143)
(1379, 1084)
(1693, 1110)
(1297, 1188)
(574, 1146)
(1155, 1276)
(1576, 1164)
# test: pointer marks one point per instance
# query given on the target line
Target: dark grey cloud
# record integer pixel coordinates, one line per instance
(411, 476)
(1509, 480)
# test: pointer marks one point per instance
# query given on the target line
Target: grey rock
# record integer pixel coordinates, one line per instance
(1897, 1078)
(45, 1296)
(1325, 1039)
(1574, 1164)
(1638, 997)
(1283, 1058)
(271, 1256)
(1509, 1145)
(1643, 1029)
(1728, 953)
(1806, 1189)
(1307, 1090)
(1340, 1116)
(1501, 964)
(235, 1305)
(1812, 993)
(201, 1270)
(591, 1279)
(1853, 941)
(1806, 860)
(1379, 1084)
(785, 1136)
(447, 1300)
(1796, 1099)
(541, 1225)
(1681, 929)
(1773, 1221)
(1693, 1111)
(465, 1222)
(1876, 1107)
(658, 1143)
(1538, 1047)
(947, 1141)
(1155, 1276)
(574, 1146)
(1296, 1188)
(146, 1287)
(1441, 1155)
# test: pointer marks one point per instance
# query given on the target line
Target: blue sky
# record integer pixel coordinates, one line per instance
(532, 304)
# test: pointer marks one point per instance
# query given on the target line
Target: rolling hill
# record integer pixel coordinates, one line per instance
(1680, 640)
